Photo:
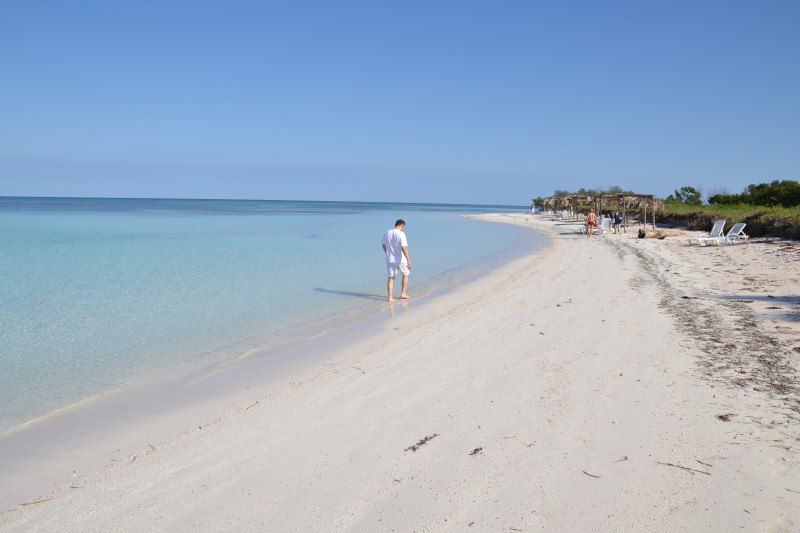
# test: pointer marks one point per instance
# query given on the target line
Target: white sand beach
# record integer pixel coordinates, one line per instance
(605, 383)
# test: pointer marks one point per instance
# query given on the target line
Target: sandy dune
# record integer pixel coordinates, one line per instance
(606, 383)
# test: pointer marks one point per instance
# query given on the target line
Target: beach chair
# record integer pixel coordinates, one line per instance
(603, 227)
(714, 237)
(736, 233)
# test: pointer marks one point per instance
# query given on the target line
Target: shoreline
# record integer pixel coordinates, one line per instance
(158, 411)
(297, 335)
(584, 385)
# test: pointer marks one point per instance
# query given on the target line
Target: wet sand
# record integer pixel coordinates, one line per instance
(604, 383)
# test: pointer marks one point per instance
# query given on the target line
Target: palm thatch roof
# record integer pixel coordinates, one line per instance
(626, 200)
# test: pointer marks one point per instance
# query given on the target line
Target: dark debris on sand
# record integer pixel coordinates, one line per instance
(736, 350)
(422, 442)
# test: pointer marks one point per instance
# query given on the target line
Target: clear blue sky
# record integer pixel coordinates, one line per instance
(412, 101)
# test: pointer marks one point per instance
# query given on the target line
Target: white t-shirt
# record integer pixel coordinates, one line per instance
(394, 240)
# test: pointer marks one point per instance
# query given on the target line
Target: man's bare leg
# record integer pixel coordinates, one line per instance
(390, 289)
(404, 286)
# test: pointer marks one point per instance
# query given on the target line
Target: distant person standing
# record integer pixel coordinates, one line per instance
(591, 222)
(617, 221)
(395, 245)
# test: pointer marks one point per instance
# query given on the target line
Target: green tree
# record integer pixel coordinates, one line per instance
(725, 199)
(686, 195)
(785, 193)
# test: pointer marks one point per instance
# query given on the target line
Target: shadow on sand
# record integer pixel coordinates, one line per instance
(787, 305)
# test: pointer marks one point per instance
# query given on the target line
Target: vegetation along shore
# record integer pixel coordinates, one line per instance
(770, 209)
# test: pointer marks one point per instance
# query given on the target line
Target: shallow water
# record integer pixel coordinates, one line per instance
(96, 294)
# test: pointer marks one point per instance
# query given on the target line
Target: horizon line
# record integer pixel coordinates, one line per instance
(246, 200)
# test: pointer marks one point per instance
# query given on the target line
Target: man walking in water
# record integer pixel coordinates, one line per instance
(397, 259)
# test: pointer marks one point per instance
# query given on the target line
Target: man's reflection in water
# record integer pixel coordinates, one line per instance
(393, 308)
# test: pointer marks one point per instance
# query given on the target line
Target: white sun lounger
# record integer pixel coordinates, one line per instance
(714, 237)
(603, 227)
(736, 233)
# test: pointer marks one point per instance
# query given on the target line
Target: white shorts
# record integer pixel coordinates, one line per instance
(393, 268)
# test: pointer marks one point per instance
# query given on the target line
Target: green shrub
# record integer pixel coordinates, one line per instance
(784, 193)
(761, 221)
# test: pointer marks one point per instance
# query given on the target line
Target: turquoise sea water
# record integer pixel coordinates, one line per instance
(101, 293)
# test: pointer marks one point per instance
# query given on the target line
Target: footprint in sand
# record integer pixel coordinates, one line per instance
(780, 525)
(782, 467)
(780, 471)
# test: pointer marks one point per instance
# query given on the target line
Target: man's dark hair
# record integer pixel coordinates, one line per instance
(400, 222)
